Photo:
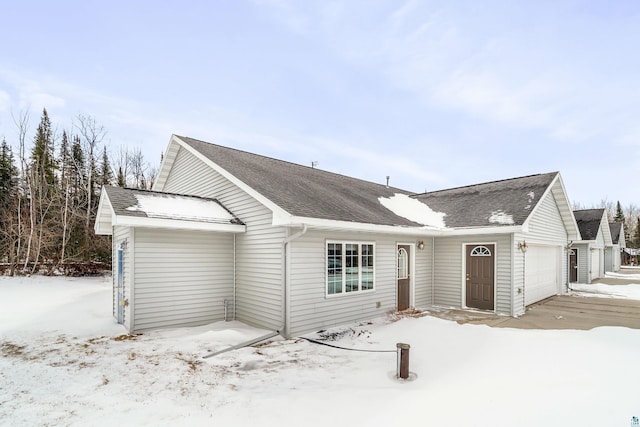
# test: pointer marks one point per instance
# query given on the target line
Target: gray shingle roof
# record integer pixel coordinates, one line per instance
(304, 191)
(489, 204)
(313, 193)
(588, 222)
(615, 231)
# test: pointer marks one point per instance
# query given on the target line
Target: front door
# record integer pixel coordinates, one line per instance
(480, 276)
(573, 265)
(404, 276)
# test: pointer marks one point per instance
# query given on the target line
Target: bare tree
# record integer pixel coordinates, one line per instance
(92, 135)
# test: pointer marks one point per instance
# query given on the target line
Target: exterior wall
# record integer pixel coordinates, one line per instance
(311, 309)
(123, 235)
(545, 228)
(182, 278)
(584, 262)
(259, 251)
(449, 284)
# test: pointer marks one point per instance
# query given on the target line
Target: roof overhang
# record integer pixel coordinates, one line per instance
(326, 224)
(106, 219)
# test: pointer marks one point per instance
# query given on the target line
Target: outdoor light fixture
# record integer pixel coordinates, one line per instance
(523, 246)
(420, 244)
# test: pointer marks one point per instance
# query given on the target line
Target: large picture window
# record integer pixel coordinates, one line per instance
(350, 267)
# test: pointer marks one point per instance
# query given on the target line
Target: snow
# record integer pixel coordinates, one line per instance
(180, 207)
(500, 217)
(64, 362)
(631, 291)
(413, 210)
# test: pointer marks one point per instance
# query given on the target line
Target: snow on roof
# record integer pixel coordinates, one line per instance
(413, 210)
(182, 208)
(502, 218)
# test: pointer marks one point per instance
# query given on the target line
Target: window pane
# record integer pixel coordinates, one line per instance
(351, 267)
(403, 264)
(367, 267)
(334, 268)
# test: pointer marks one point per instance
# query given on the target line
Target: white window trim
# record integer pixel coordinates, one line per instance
(343, 259)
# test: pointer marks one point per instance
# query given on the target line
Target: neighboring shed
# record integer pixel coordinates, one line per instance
(613, 258)
(316, 249)
(589, 252)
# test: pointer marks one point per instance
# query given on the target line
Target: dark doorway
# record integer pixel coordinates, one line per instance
(573, 265)
(480, 276)
(404, 276)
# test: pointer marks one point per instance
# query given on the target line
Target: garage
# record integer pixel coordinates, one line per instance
(542, 273)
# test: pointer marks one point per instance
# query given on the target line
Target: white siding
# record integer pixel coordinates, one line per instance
(584, 261)
(182, 278)
(449, 266)
(312, 310)
(123, 235)
(259, 262)
(545, 229)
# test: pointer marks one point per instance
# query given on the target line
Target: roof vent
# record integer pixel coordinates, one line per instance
(387, 181)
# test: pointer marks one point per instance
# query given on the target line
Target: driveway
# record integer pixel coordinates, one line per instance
(581, 310)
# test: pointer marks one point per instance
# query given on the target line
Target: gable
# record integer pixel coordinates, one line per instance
(594, 225)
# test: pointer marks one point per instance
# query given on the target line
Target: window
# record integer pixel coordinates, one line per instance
(350, 267)
(403, 264)
(480, 251)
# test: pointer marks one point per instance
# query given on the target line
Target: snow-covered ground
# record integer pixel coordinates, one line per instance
(63, 361)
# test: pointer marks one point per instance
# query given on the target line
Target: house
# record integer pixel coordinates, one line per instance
(587, 256)
(227, 234)
(612, 258)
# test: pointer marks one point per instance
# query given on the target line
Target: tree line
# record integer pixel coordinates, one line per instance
(50, 190)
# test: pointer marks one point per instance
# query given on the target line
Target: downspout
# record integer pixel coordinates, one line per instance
(234, 276)
(433, 270)
(284, 330)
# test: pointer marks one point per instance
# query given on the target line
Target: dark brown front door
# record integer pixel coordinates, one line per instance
(573, 265)
(404, 276)
(480, 276)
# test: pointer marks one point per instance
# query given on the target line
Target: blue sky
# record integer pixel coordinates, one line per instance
(434, 94)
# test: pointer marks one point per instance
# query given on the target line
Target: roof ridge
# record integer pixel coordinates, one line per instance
(163, 193)
(309, 168)
(486, 183)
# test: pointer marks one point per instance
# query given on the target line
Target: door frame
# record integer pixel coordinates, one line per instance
(463, 278)
(412, 272)
(577, 269)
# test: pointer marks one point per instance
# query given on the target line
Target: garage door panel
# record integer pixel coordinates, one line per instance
(542, 273)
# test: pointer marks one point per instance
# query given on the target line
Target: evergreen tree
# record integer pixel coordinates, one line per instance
(121, 180)
(619, 217)
(105, 176)
(77, 167)
(42, 156)
(8, 174)
(636, 235)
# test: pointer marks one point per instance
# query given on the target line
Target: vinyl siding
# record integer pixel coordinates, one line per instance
(311, 309)
(450, 264)
(545, 228)
(259, 256)
(182, 278)
(123, 235)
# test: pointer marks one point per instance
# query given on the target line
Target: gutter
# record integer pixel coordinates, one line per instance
(284, 330)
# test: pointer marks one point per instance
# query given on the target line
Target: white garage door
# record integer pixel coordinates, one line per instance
(542, 273)
(595, 264)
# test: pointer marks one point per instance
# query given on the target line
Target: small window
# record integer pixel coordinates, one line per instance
(350, 267)
(403, 264)
(480, 251)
